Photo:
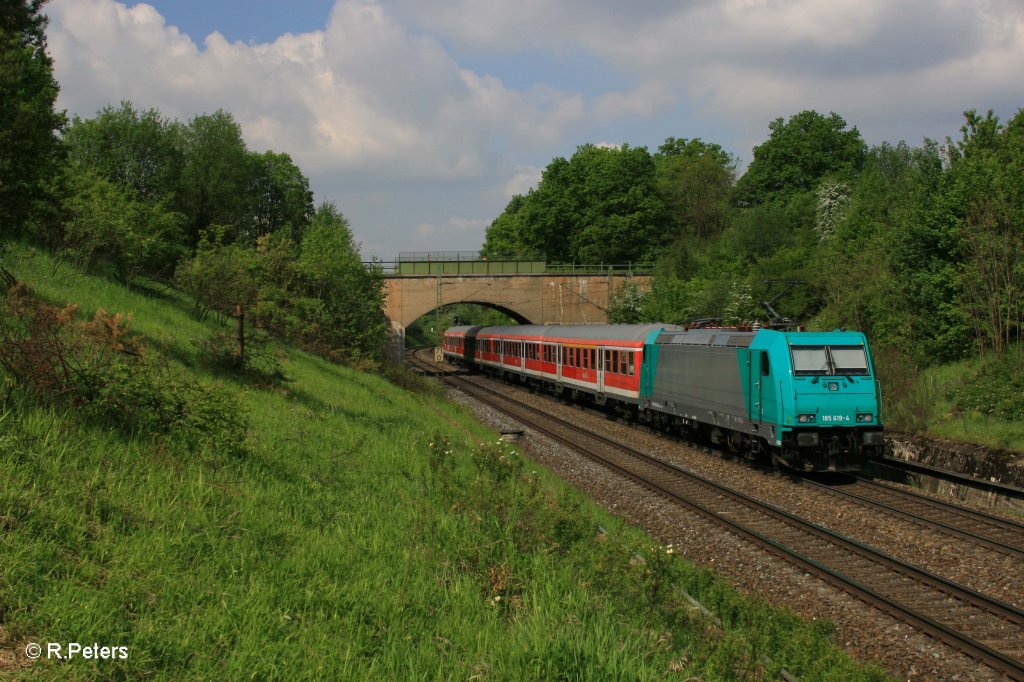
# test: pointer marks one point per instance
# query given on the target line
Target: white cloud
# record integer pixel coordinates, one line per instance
(524, 179)
(364, 95)
(885, 66)
(384, 111)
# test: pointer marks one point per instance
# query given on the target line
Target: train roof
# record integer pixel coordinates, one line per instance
(744, 337)
(582, 332)
(707, 337)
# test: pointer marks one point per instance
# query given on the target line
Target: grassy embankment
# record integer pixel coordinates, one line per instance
(363, 532)
(978, 400)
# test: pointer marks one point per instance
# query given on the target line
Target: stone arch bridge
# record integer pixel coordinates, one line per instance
(528, 297)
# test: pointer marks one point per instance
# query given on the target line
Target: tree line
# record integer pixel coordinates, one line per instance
(142, 197)
(919, 246)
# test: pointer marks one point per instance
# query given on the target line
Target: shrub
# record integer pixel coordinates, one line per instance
(103, 371)
(995, 389)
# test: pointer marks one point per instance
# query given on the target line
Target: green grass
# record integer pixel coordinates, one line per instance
(366, 532)
(977, 400)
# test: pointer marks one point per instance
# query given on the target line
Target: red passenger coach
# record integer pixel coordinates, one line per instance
(601, 360)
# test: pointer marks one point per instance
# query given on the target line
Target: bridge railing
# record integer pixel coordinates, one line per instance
(507, 267)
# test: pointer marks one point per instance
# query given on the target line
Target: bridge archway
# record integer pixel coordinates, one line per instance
(527, 298)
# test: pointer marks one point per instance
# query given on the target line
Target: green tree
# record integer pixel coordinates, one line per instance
(223, 278)
(694, 179)
(280, 197)
(599, 206)
(986, 180)
(216, 176)
(30, 149)
(107, 225)
(140, 151)
(892, 267)
(798, 154)
(505, 237)
(347, 310)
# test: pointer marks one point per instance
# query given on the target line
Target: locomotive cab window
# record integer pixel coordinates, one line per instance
(849, 359)
(829, 360)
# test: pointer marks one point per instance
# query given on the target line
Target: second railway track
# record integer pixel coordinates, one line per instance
(982, 627)
(987, 530)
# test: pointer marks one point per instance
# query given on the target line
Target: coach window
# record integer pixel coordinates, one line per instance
(622, 361)
(631, 364)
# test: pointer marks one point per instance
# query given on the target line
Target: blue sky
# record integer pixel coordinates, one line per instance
(421, 118)
(260, 21)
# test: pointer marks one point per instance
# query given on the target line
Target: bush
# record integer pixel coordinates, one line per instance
(103, 371)
(996, 389)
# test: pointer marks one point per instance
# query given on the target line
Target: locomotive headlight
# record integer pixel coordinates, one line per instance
(805, 418)
(864, 417)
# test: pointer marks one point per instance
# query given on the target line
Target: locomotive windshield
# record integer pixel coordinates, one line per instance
(829, 360)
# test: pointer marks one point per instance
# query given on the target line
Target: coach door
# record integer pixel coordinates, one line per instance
(600, 370)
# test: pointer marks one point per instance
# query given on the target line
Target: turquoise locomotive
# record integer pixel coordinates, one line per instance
(808, 401)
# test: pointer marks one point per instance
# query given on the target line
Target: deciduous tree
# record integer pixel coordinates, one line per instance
(30, 149)
(798, 154)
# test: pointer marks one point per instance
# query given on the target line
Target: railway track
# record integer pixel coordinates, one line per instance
(983, 628)
(999, 534)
